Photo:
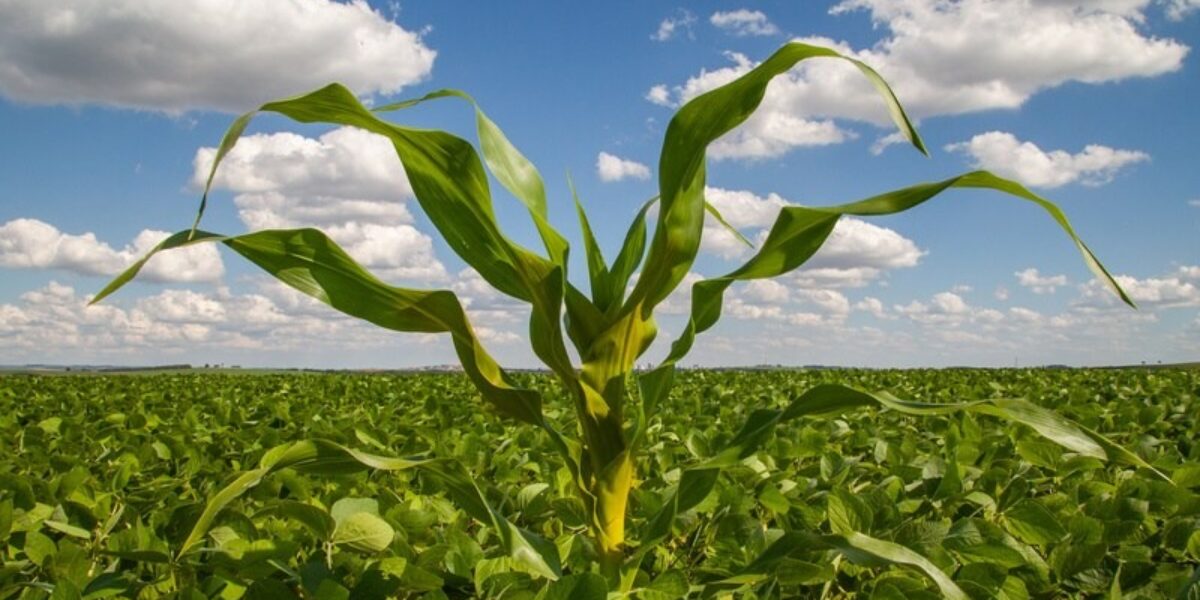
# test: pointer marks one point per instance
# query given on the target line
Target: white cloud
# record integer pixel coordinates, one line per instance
(614, 168)
(1024, 161)
(855, 243)
(947, 309)
(33, 244)
(1195, 202)
(872, 306)
(669, 27)
(828, 301)
(1155, 292)
(744, 22)
(1189, 272)
(1038, 283)
(1001, 293)
(766, 291)
(207, 54)
(1177, 10)
(347, 182)
(659, 95)
(54, 323)
(945, 58)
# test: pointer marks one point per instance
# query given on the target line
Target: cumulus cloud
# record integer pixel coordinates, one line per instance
(1024, 161)
(614, 168)
(1038, 283)
(1177, 10)
(766, 291)
(55, 323)
(347, 182)
(209, 54)
(944, 58)
(659, 95)
(34, 244)
(672, 26)
(947, 309)
(872, 306)
(1156, 292)
(744, 22)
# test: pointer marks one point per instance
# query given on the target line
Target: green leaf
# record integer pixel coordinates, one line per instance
(858, 548)
(310, 262)
(319, 522)
(584, 586)
(38, 548)
(1033, 523)
(797, 234)
(364, 532)
(847, 513)
(344, 508)
(682, 170)
(831, 399)
(532, 552)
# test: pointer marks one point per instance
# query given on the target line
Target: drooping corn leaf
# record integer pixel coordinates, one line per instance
(797, 234)
(832, 399)
(450, 184)
(326, 457)
(310, 262)
(515, 172)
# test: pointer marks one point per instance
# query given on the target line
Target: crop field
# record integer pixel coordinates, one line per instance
(105, 481)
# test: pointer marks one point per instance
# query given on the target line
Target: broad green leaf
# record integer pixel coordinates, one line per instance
(831, 399)
(345, 507)
(584, 586)
(364, 532)
(321, 456)
(1033, 523)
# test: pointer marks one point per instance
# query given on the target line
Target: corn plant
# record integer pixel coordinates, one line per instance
(609, 328)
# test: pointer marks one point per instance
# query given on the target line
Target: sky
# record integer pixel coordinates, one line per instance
(111, 112)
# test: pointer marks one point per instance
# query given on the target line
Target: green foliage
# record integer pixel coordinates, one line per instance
(92, 505)
(609, 330)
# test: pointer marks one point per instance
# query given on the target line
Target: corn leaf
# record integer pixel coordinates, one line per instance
(681, 169)
(797, 234)
(310, 262)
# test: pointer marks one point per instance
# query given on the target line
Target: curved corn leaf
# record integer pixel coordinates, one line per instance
(831, 399)
(858, 547)
(310, 262)
(682, 207)
(450, 184)
(515, 172)
(797, 234)
(681, 170)
(325, 457)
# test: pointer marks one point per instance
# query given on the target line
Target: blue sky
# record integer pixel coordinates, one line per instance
(111, 111)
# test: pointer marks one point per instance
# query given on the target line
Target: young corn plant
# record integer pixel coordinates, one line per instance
(609, 328)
